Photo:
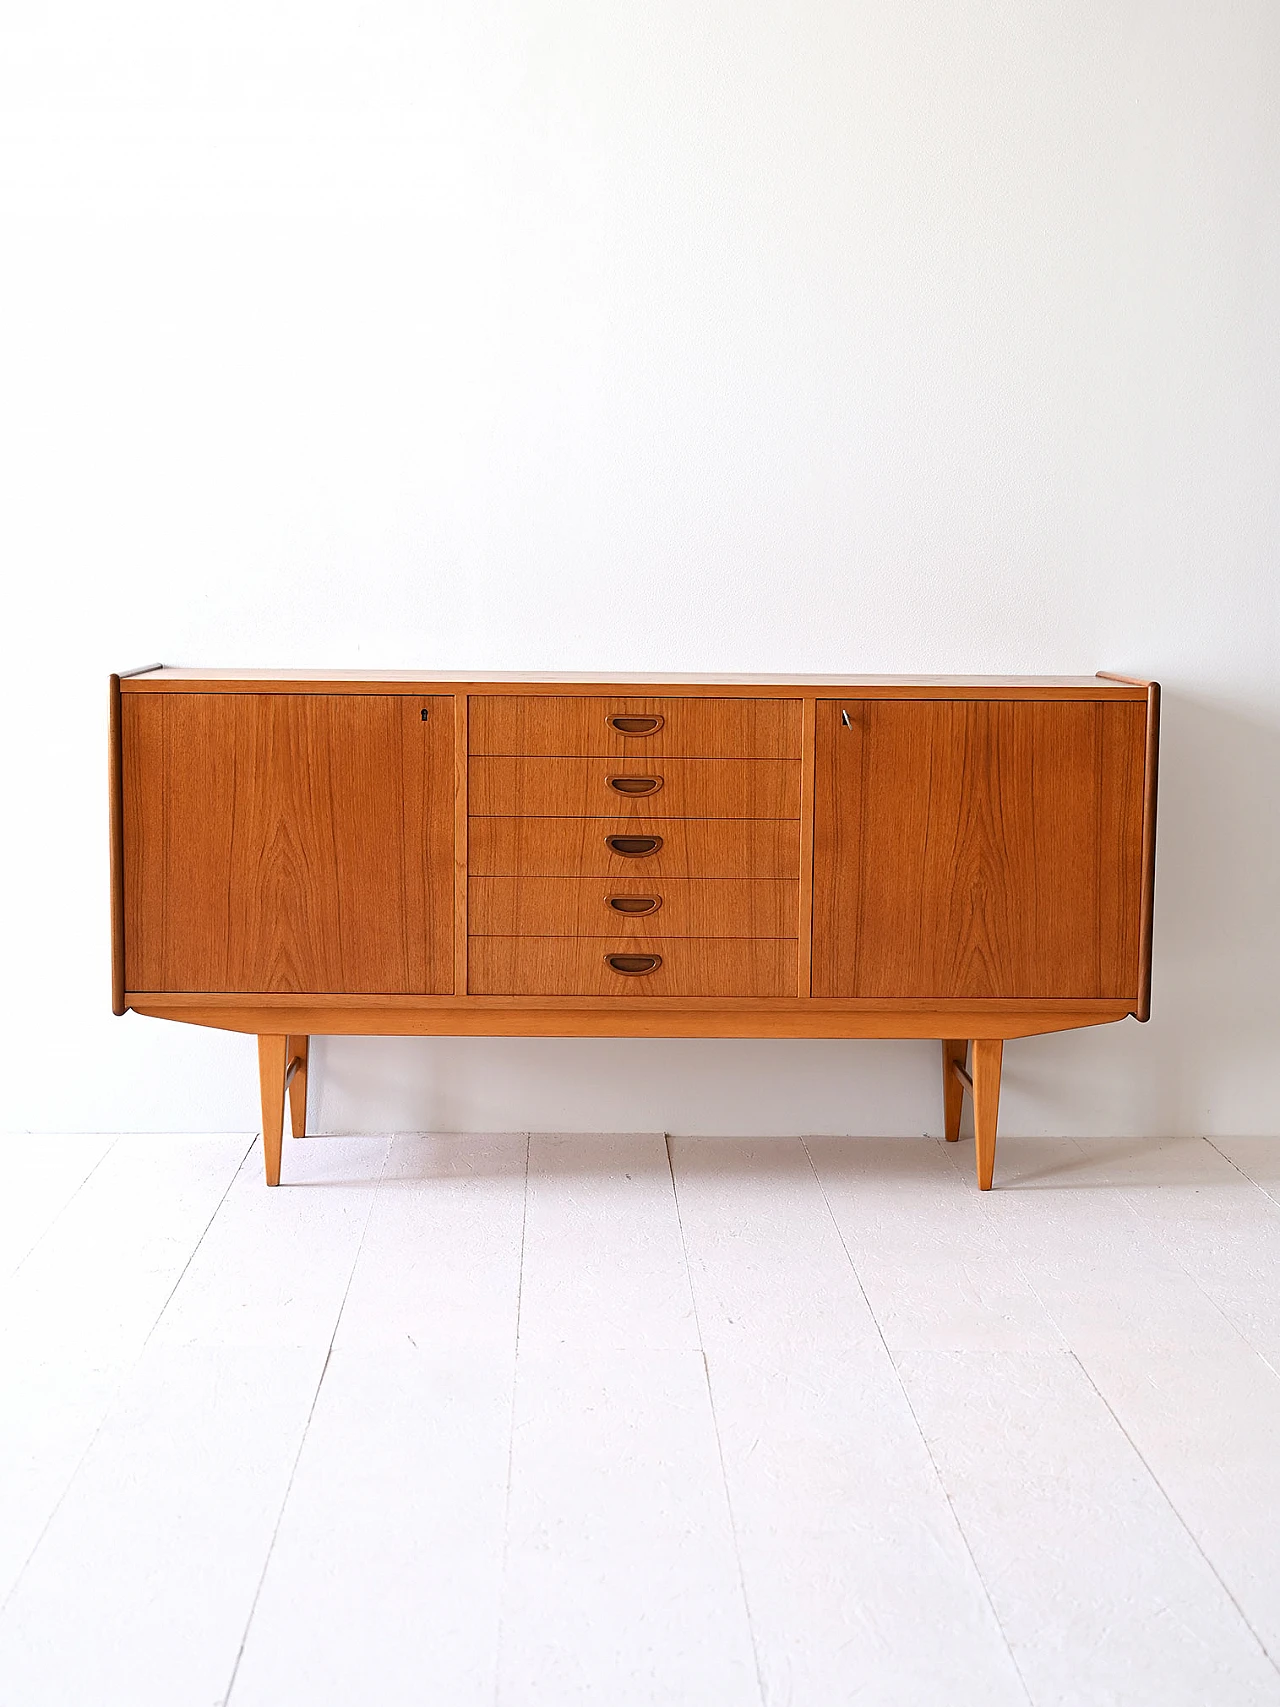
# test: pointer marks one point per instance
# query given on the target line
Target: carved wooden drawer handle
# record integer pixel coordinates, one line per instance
(634, 965)
(635, 725)
(635, 906)
(634, 785)
(634, 847)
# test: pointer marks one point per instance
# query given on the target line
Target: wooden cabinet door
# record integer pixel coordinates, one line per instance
(968, 849)
(281, 842)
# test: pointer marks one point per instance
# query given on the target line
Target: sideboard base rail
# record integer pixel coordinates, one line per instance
(576, 1016)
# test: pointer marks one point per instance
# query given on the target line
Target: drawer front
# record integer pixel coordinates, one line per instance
(584, 847)
(632, 907)
(671, 788)
(525, 724)
(581, 966)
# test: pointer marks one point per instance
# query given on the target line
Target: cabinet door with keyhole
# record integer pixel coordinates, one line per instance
(288, 842)
(976, 849)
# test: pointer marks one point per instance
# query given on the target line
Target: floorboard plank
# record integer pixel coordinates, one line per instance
(930, 1256)
(276, 1263)
(621, 1581)
(440, 1263)
(604, 1265)
(1220, 1228)
(41, 1175)
(75, 1316)
(1258, 1159)
(391, 1541)
(384, 1578)
(1101, 1592)
(766, 1261)
(859, 1582)
(140, 1589)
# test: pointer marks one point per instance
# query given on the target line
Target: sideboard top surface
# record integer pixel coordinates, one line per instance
(189, 679)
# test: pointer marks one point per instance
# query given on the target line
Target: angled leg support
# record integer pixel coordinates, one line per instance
(272, 1061)
(955, 1052)
(296, 1078)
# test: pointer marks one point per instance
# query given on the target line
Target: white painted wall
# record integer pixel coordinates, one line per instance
(794, 336)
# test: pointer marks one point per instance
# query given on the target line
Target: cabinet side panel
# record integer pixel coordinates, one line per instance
(115, 799)
(1150, 795)
(1122, 875)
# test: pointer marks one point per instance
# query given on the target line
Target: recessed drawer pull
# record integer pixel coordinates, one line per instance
(635, 725)
(634, 785)
(634, 965)
(634, 847)
(635, 906)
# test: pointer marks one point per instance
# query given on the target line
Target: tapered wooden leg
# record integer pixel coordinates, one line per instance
(297, 1051)
(272, 1058)
(987, 1055)
(954, 1051)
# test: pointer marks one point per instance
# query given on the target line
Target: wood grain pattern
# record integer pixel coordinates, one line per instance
(706, 966)
(597, 1016)
(579, 906)
(689, 788)
(968, 850)
(289, 842)
(521, 725)
(578, 847)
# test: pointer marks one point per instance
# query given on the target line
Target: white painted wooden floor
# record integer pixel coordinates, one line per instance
(597, 1419)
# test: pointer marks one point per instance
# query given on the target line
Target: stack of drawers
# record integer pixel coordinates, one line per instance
(633, 847)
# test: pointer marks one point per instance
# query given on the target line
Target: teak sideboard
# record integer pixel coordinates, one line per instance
(963, 858)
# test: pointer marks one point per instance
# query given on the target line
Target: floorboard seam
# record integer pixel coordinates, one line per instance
(715, 1427)
(306, 1429)
(1181, 1521)
(124, 1374)
(1154, 1233)
(911, 1411)
(511, 1435)
(1244, 1174)
(45, 1231)
(200, 1241)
